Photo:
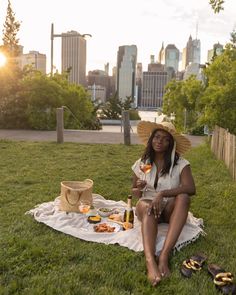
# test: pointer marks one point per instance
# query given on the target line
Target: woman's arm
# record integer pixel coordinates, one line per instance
(187, 185)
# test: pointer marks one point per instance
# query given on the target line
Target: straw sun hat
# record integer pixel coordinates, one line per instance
(145, 129)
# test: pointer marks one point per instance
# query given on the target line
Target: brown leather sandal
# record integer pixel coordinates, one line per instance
(193, 264)
(223, 280)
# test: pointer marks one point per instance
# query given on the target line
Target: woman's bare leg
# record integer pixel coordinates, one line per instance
(149, 234)
(175, 213)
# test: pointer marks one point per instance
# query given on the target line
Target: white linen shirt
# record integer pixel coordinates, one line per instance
(164, 182)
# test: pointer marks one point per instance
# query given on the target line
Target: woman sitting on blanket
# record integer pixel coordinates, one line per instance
(164, 191)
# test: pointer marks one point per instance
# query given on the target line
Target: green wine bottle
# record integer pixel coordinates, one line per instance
(129, 214)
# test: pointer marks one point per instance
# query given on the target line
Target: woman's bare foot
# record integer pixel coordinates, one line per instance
(163, 265)
(154, 275)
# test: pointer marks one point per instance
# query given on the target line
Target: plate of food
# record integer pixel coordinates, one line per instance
(107, 227)
(115, 217)
(105, 211)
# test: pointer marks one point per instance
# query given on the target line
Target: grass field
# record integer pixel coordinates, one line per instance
(35, 259)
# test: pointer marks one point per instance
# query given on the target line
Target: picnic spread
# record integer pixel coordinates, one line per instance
(101, 229)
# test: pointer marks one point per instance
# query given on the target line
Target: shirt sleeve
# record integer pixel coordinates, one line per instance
(182, 163)
(136, 168)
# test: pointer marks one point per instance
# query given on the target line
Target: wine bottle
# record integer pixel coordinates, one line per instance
(129, 214)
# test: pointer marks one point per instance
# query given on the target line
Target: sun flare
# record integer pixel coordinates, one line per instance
(3, 59)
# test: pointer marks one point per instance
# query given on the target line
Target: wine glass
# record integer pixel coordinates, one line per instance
(84, 206)
(145, 167)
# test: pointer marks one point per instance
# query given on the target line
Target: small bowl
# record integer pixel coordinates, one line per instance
(105, 212)
(94, 219)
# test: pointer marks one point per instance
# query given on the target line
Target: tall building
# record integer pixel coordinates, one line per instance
(156, 67)
(139, 77)
(153, 87)
(73, 57)
(35, 59)
(169, 56)
(106, 68)
(194, 69)
(152, 58)
(113, 81)
(126, 70)
(217, 50)
(100, 78)
(97, 92)
(191, 53)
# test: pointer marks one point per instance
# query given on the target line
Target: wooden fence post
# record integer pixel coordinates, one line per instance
(223, 145)
(60, 125)
(126, 122)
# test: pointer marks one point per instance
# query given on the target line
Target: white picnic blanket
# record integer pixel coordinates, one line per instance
(75, 224)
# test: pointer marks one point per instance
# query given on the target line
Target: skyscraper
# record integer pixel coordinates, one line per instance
(153, 87)
(217, 50)
(169, 56)
(73, 56)
(161, 53)
(139, 76)
(35, 59)
(100, 78)
(191, 53)
(126, 70)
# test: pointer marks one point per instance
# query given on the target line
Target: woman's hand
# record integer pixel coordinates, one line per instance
(136, 192)
(141, 184)
(155, 205)
(138, 189)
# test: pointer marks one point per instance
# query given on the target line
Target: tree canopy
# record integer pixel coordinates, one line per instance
(217, 5)
(218, 103)
(30, 101)
(10, 30)
(210, 103)
(182, 99)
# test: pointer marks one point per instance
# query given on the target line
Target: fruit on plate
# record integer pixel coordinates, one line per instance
(115, 217)
(94, 219)
(127, 225)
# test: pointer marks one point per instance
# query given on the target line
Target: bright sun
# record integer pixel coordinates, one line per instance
(3, 59)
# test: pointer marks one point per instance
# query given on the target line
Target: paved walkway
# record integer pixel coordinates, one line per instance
(109, 134)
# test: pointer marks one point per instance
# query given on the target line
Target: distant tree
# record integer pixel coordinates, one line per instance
(112, 109)
(127, 103)
(217, 5)
(182, 98)
(218, 103)
(10, 74)
(233, 38)
(34, 103)
(10, 29)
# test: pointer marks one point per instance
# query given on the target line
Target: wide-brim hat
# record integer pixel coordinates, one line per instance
(145, 129)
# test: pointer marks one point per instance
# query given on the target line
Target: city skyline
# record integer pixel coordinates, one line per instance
(145, 24)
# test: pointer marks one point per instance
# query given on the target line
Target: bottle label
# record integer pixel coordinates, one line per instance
(128, 218)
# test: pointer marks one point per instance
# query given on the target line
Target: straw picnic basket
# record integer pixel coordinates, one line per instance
(72, 192)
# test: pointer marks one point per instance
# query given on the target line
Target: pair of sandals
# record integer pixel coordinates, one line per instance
(223, 280)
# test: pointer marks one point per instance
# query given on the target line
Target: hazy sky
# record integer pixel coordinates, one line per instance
(112, 23)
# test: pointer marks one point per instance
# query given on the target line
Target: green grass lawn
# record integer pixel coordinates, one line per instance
(35, 259)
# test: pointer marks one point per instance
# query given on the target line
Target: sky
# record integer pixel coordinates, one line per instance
(113, 23)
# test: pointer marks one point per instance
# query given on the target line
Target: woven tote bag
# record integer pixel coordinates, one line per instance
(72, 192)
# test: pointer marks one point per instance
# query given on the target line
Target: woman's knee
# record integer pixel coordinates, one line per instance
(141, 209)
(183, 199)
